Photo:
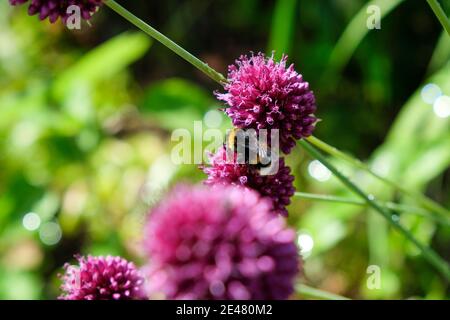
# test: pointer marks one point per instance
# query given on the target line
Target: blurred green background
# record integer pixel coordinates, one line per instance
(86, 118)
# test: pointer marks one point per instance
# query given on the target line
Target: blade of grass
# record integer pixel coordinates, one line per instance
(420, 198)
(429, 254)
(352, 36)
(158, 36)
(309, 292)
(282, 27)
(440, 14)
(387, 205)
(441, 54)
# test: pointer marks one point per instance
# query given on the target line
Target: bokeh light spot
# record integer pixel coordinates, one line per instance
(318, 171)
(31, 221)
(306, 244)
(213, 119)
(50, 233)
(430, 93)
(441, 107)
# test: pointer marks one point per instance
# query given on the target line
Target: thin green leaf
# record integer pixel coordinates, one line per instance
(354, 33)
(440, 14)
(104, 61)
(387, 205)
(441, 54)
(283, 27)
(429, 254)
(313, 293)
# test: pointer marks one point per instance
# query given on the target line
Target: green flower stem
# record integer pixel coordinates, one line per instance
(418, 197)
(428, 253)
(313, 293)
(387, 205)
(155, 34)
(440, 14)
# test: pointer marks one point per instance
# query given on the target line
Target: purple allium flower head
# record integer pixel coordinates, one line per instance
(264, 94)
(102, 278)
(278, 187)
(219, 243)
(54, 9)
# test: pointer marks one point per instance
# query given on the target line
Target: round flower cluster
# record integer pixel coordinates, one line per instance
(55, 9)
(219, 243)
(102, 278)
(278, 187)
(264, 94)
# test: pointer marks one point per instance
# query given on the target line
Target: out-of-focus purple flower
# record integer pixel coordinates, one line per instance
(264, 94)
(219, 243)
(278, 187)
(55, 9)
(102, 278)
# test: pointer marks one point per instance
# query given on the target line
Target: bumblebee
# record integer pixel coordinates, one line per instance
(249, 150)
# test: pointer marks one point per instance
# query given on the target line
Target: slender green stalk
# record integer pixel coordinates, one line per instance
(312, 293)
(330, 198)
(387, 205)
(155, 34)
(432, 257)
(418, 197)
(440, 14)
